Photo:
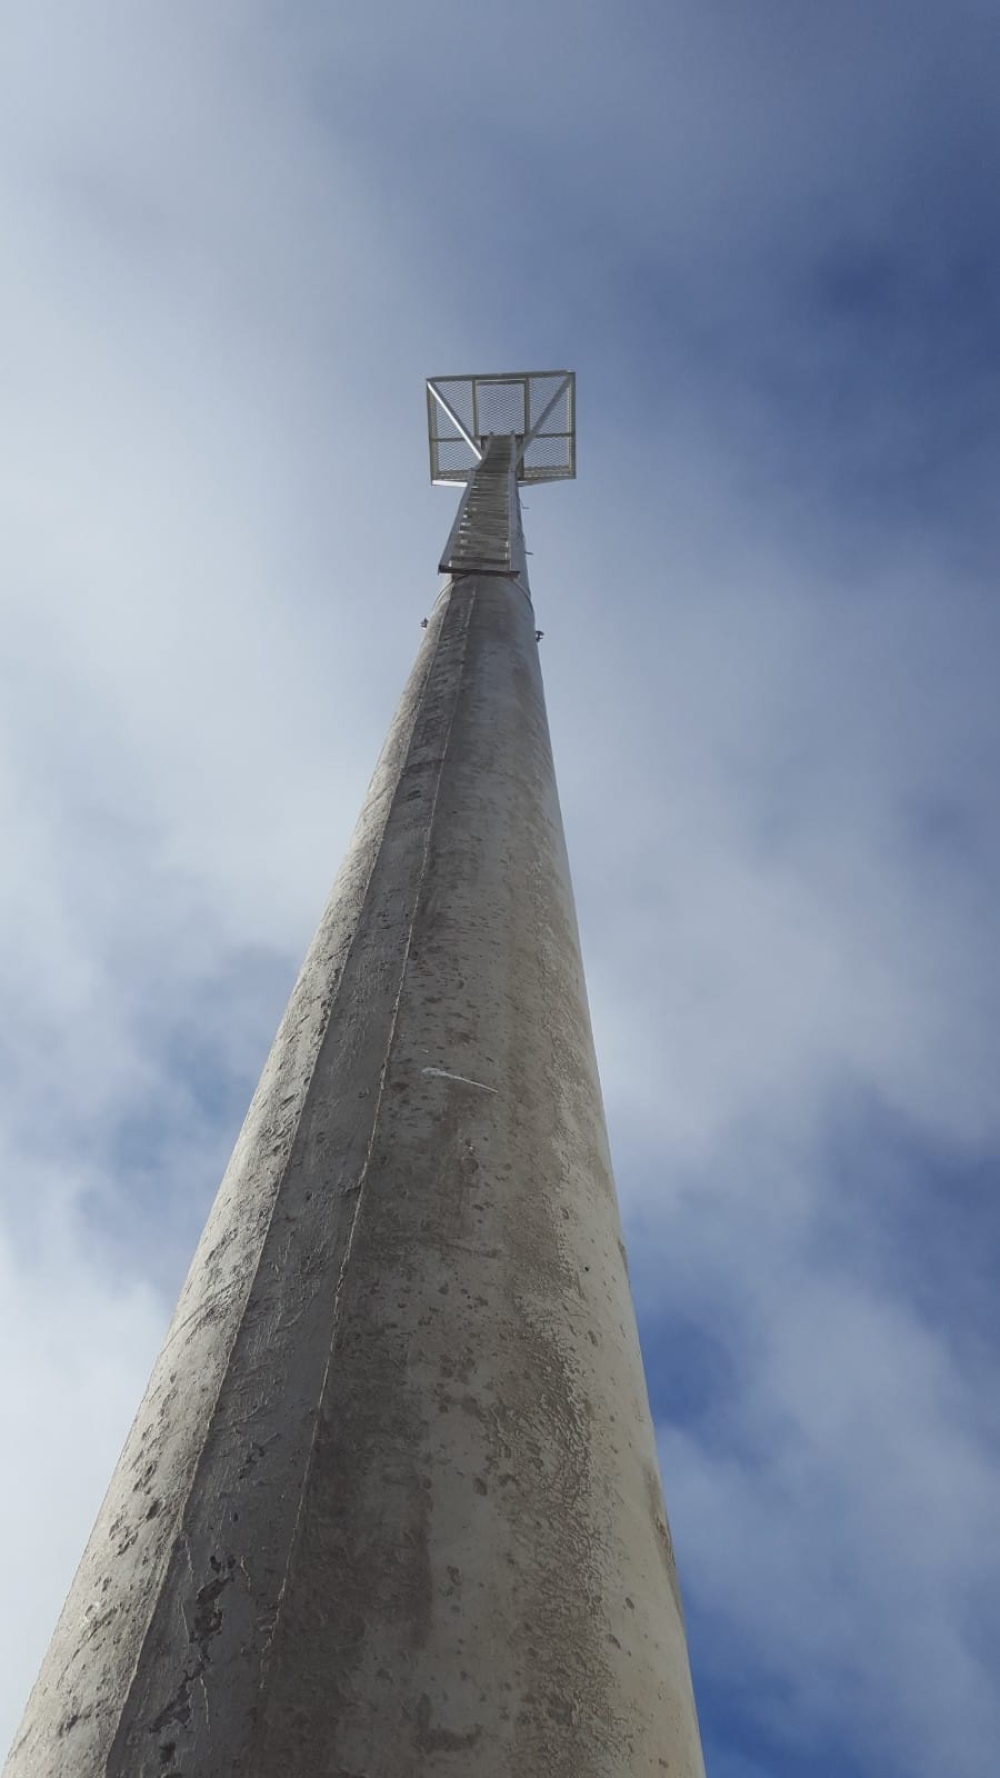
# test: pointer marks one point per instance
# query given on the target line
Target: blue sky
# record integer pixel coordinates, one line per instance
(236, 240)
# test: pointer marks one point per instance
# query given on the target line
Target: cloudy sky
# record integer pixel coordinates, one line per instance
(236, 238)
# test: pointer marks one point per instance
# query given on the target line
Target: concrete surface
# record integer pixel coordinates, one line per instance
(390, 1507)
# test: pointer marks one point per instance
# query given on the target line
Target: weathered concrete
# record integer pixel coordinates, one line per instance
(390, 1507)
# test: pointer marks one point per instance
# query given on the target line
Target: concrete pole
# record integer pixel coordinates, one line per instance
(390, 1507)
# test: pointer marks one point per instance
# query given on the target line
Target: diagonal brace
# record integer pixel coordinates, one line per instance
(529, 437)
(448, 410)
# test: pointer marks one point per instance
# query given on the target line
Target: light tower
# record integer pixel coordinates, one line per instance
(390, 1507)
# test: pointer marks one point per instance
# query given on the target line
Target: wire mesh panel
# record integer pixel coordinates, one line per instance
(501, 404)
(454, 458)
(536, 408)
(550, 452)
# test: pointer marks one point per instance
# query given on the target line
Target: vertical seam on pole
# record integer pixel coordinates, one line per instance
(363, 1177)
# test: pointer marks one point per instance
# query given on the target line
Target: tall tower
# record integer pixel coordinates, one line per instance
(390, 1507)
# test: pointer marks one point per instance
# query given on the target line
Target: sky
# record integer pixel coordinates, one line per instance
(764, 234)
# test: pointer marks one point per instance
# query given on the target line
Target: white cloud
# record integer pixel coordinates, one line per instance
(77, 1345)
(236, 242)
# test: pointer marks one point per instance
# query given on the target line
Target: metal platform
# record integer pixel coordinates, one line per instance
(536, 408)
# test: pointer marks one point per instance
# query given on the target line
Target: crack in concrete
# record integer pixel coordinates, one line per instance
(445, 1074)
